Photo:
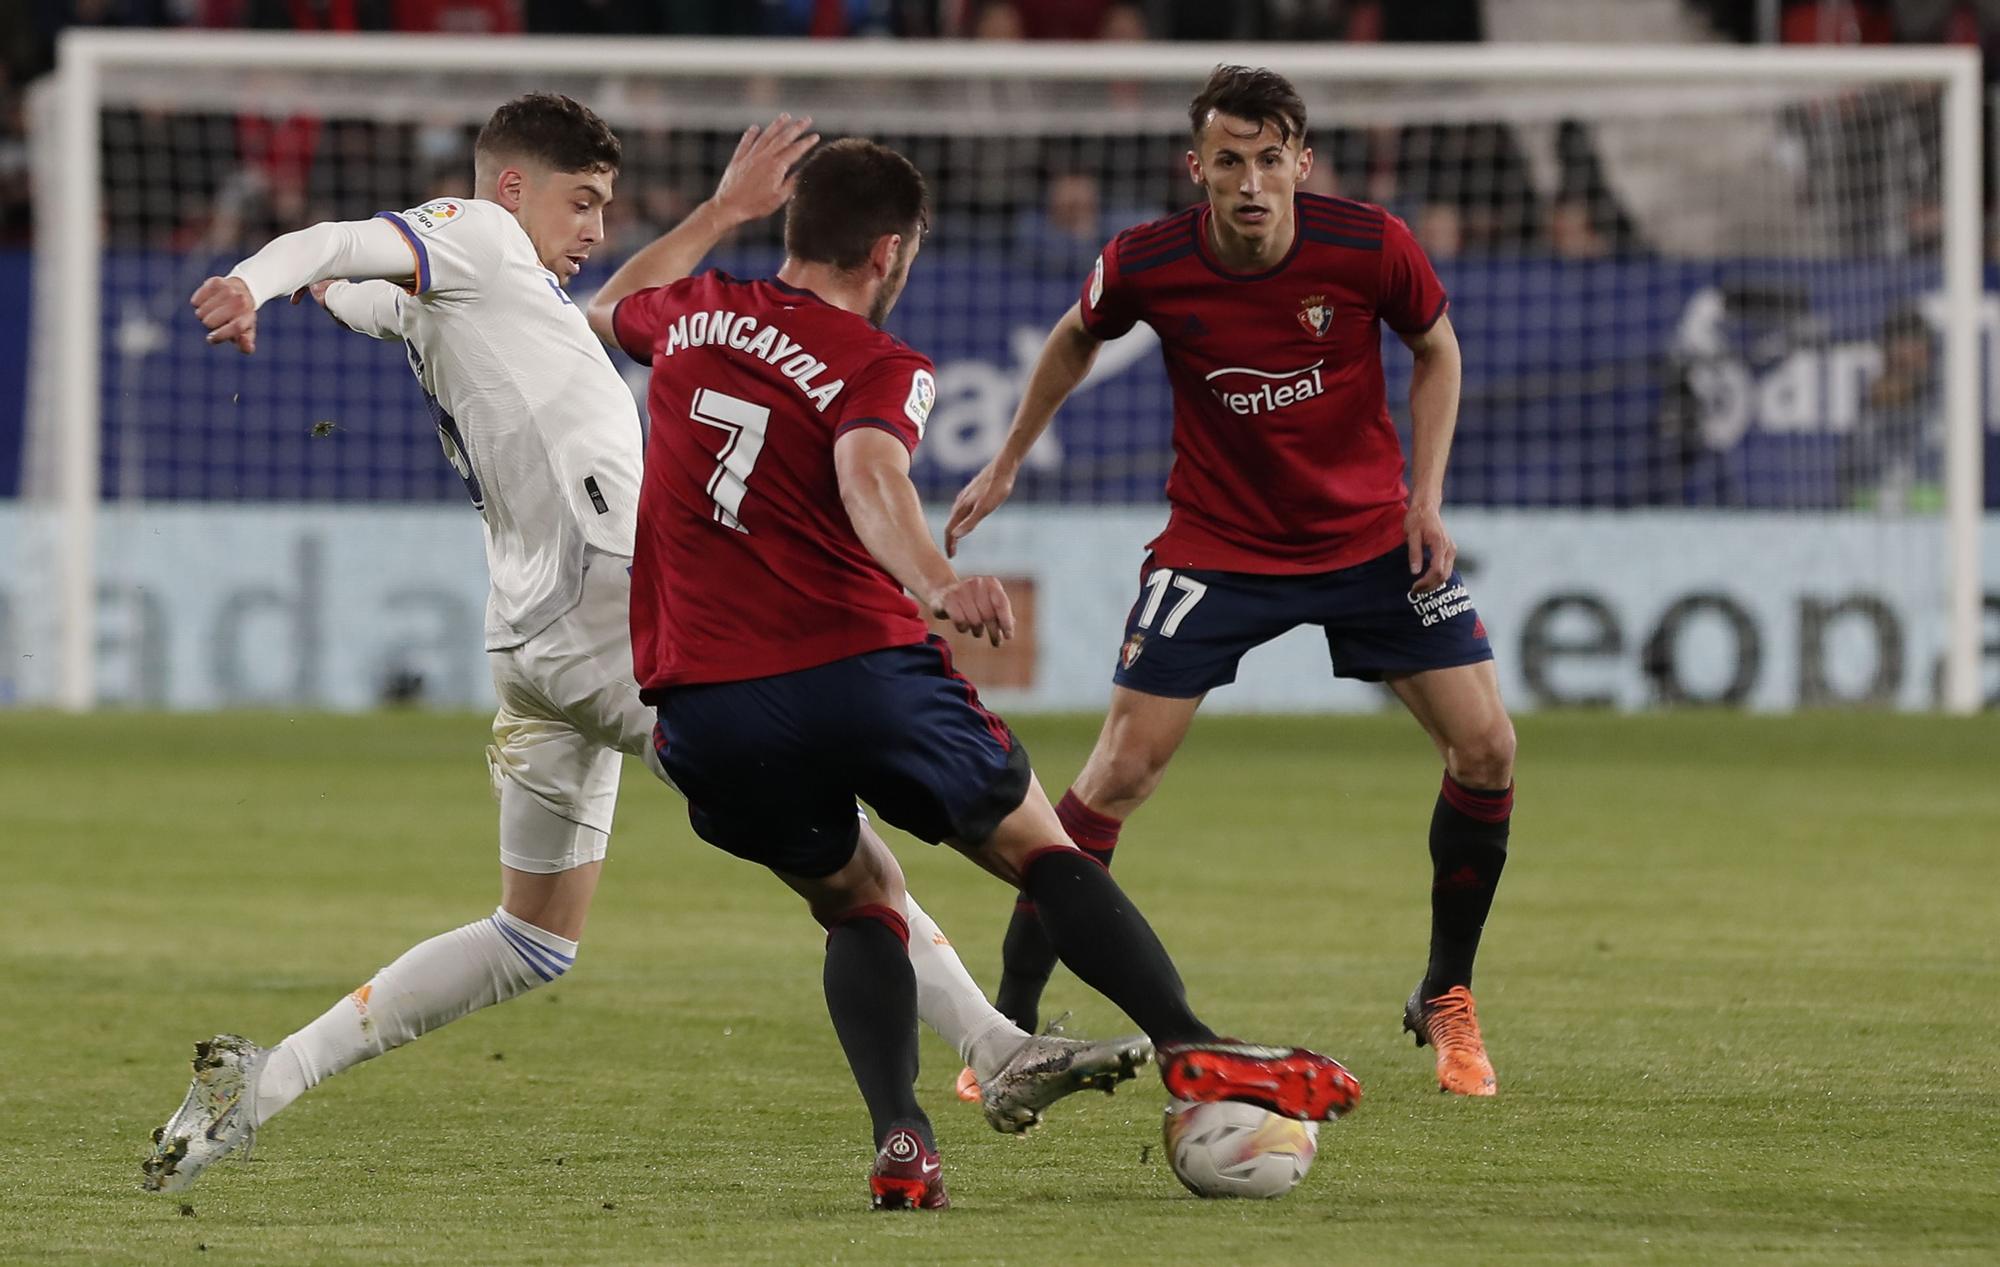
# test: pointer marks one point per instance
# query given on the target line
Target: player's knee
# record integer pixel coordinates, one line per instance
(835, 906)
(535, 954)
(871, 878)
(1486, 757)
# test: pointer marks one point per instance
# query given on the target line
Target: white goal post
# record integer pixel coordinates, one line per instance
(96, 67)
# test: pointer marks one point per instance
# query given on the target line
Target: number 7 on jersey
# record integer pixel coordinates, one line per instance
(744, 424)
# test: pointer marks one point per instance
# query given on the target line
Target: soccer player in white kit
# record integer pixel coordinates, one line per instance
(547, 438)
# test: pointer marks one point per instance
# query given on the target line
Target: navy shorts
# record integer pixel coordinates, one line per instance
(1191, 628)
(772, 766)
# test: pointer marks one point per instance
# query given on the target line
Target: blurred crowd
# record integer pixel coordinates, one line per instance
(1465, 187)
(910, 19)
(1883, 21)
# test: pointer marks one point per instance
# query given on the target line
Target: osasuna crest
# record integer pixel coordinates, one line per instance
(1128, 655)
(1315, 315)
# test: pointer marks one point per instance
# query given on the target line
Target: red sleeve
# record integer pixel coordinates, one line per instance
(638, 319)
(1109, 307)
(895, 396)
(1410, 298)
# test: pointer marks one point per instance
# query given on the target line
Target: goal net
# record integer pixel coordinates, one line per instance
(1720, 310)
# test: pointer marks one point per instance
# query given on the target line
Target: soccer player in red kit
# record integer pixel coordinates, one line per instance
(792, 673)
(1288, 508)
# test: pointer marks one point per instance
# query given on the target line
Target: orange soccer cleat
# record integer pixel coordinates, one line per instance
(1451, 1025)
(968, 1085)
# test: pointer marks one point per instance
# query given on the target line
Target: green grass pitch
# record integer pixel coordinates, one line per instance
(1740, 986)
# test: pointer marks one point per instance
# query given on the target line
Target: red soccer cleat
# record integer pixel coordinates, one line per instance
(1289, 1081)
(907, 1175)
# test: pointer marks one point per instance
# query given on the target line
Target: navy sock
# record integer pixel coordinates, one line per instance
(1468, 852)
(871, 993)
(1107, 943)
(1027, 956)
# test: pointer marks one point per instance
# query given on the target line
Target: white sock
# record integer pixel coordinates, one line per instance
(950, 1001)
(433, 984)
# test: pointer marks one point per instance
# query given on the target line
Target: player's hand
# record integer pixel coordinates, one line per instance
(317, 290)
(977, 605)
(225, 306)
(988, 491)
(1425, 528)
(759, 177)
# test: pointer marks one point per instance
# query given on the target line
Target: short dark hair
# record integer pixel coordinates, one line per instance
(1253, 93)
(556, 131)
(849, 194)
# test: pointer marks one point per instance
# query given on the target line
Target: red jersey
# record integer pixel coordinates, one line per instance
(746, 565)
(1285, 458)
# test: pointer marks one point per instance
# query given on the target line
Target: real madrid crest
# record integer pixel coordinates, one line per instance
(1316, 315)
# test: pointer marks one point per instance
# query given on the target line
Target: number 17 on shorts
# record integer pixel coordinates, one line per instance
(1189, 629)
(1166, 598)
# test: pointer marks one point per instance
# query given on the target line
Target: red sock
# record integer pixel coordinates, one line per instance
(1094, 833)
(887, 916)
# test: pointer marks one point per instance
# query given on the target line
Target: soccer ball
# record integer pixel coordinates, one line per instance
(1226, 1149)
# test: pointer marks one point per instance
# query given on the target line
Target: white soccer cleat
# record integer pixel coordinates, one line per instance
(1048, 1067)
(219, 1114)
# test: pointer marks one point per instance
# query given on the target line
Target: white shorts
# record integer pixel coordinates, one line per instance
(569, 713)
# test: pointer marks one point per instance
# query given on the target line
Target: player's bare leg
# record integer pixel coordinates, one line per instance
(1461, 710)
(1101, 936)
(558, 903)
(1141, 733)
(871, 994)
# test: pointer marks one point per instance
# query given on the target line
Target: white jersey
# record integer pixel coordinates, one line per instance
(527, 405)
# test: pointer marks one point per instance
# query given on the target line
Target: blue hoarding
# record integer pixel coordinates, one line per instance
(1747, 383)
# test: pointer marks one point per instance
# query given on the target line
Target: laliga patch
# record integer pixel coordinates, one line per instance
(1097, 284)
(433, 216)
(923, 394)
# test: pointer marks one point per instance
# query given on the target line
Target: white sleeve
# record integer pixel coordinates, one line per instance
(373, 308)
(336, 248)
(455, 242)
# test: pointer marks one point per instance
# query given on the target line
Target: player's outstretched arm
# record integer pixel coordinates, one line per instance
(1065, 360)
(888, 516)
(333, 249)
(373, 308)
(1434, 386)
(756, 183)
